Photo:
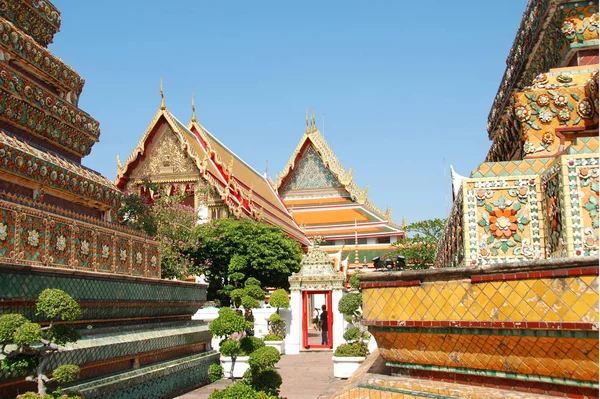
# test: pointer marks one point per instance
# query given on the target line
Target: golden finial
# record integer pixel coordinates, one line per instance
(266, 168)
(313, 122)
(193, 109)
(307, 122)
(119, 164)
(162, 96)
(403, 225)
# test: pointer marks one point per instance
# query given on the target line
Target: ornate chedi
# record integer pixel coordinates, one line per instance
(511, 309)
(190, 161)
(58, 230)
(325, 201)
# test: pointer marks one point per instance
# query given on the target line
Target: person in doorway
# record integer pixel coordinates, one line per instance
(324, 325)
(315, 319)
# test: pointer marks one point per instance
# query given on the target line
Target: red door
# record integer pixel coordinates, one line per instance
(307, 317)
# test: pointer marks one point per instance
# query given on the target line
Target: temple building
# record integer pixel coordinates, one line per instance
(511, 308)
(189, 160)
(325, 201)
(58, 230)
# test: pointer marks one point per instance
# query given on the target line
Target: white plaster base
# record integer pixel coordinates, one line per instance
(344, 367)
(279, 345)
(241, 365)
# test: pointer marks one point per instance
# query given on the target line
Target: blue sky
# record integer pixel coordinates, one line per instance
(404, 88)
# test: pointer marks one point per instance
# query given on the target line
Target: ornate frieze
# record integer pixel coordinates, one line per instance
(31, 233)
(21, 159)
(27, 105)
(165, 156)
(38, 18)
(555, 102)
(16, 44)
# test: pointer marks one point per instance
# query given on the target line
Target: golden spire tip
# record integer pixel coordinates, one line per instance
(162, 96)
(193, 109)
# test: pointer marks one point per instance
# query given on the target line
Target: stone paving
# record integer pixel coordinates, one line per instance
(308, 375)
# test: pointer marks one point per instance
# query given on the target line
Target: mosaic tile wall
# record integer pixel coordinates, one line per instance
(157, 381)
(511, 216)
(374, 387)
(36, 236)
(527, 322)
(101, 298)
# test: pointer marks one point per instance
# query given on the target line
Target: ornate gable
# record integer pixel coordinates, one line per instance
(310, 173)
(165, 158)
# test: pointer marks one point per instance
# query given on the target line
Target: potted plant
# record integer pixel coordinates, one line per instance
(275, 337)
(235, 346)
(261, 380)
(349, 356)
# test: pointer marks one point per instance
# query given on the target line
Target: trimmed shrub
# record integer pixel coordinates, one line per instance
(273, 337)
(215, 372)
(66, 373)
(264, 358)
(355, 349)
(250, 344)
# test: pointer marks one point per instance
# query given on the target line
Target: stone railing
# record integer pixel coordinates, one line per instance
(38, 234)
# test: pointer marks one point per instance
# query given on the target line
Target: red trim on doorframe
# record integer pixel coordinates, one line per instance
(329, 300)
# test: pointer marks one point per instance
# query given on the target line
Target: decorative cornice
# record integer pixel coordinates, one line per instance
(39, 19)
(23, 48)
(48, 116)
(21, 159)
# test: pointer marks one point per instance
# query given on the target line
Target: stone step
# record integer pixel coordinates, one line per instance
(165, 379)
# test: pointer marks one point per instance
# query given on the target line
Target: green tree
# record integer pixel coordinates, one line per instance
(257, 250)
(168, 221)
(420, 248)
(27, 346)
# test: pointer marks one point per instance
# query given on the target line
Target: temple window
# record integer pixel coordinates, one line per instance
(383, 240)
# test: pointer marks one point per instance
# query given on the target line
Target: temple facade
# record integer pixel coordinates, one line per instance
(326, 202)
(511, 307)
(58, 230)
(190, 161)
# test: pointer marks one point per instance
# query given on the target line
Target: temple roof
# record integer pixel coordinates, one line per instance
(323, 197)
(245, 191)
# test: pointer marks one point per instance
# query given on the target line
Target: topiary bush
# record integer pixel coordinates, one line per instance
(215, 372)
(250, 344)
(276, 325)
(27, 346)
(268, 381)
(279, 299)
(273, 337)
(355, 349)
(66, 373)
(264, 358)
(241, 390)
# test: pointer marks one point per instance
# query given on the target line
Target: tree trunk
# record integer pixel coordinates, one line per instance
(233, 358)
(40, 377)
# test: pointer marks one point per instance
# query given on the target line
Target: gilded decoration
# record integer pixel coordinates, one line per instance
(38, 18)
(36, 234)
(310, 173)
(314, 139)
(165, 156)
(22, 46)
(503, 220)
(554, 101)
(20, 158)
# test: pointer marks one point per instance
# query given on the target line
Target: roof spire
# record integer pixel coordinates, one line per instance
(162, 96)
(307, 122)
(193, 109)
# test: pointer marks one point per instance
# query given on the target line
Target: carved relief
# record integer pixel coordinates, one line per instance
(164, 157)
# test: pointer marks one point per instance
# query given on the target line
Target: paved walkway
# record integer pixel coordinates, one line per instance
(308, 375)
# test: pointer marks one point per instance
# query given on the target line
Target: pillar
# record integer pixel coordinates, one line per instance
(293, 339)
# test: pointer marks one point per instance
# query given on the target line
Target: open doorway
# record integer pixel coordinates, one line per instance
(312, 307)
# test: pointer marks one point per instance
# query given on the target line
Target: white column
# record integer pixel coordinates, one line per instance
(338, 319)
(293, 339)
